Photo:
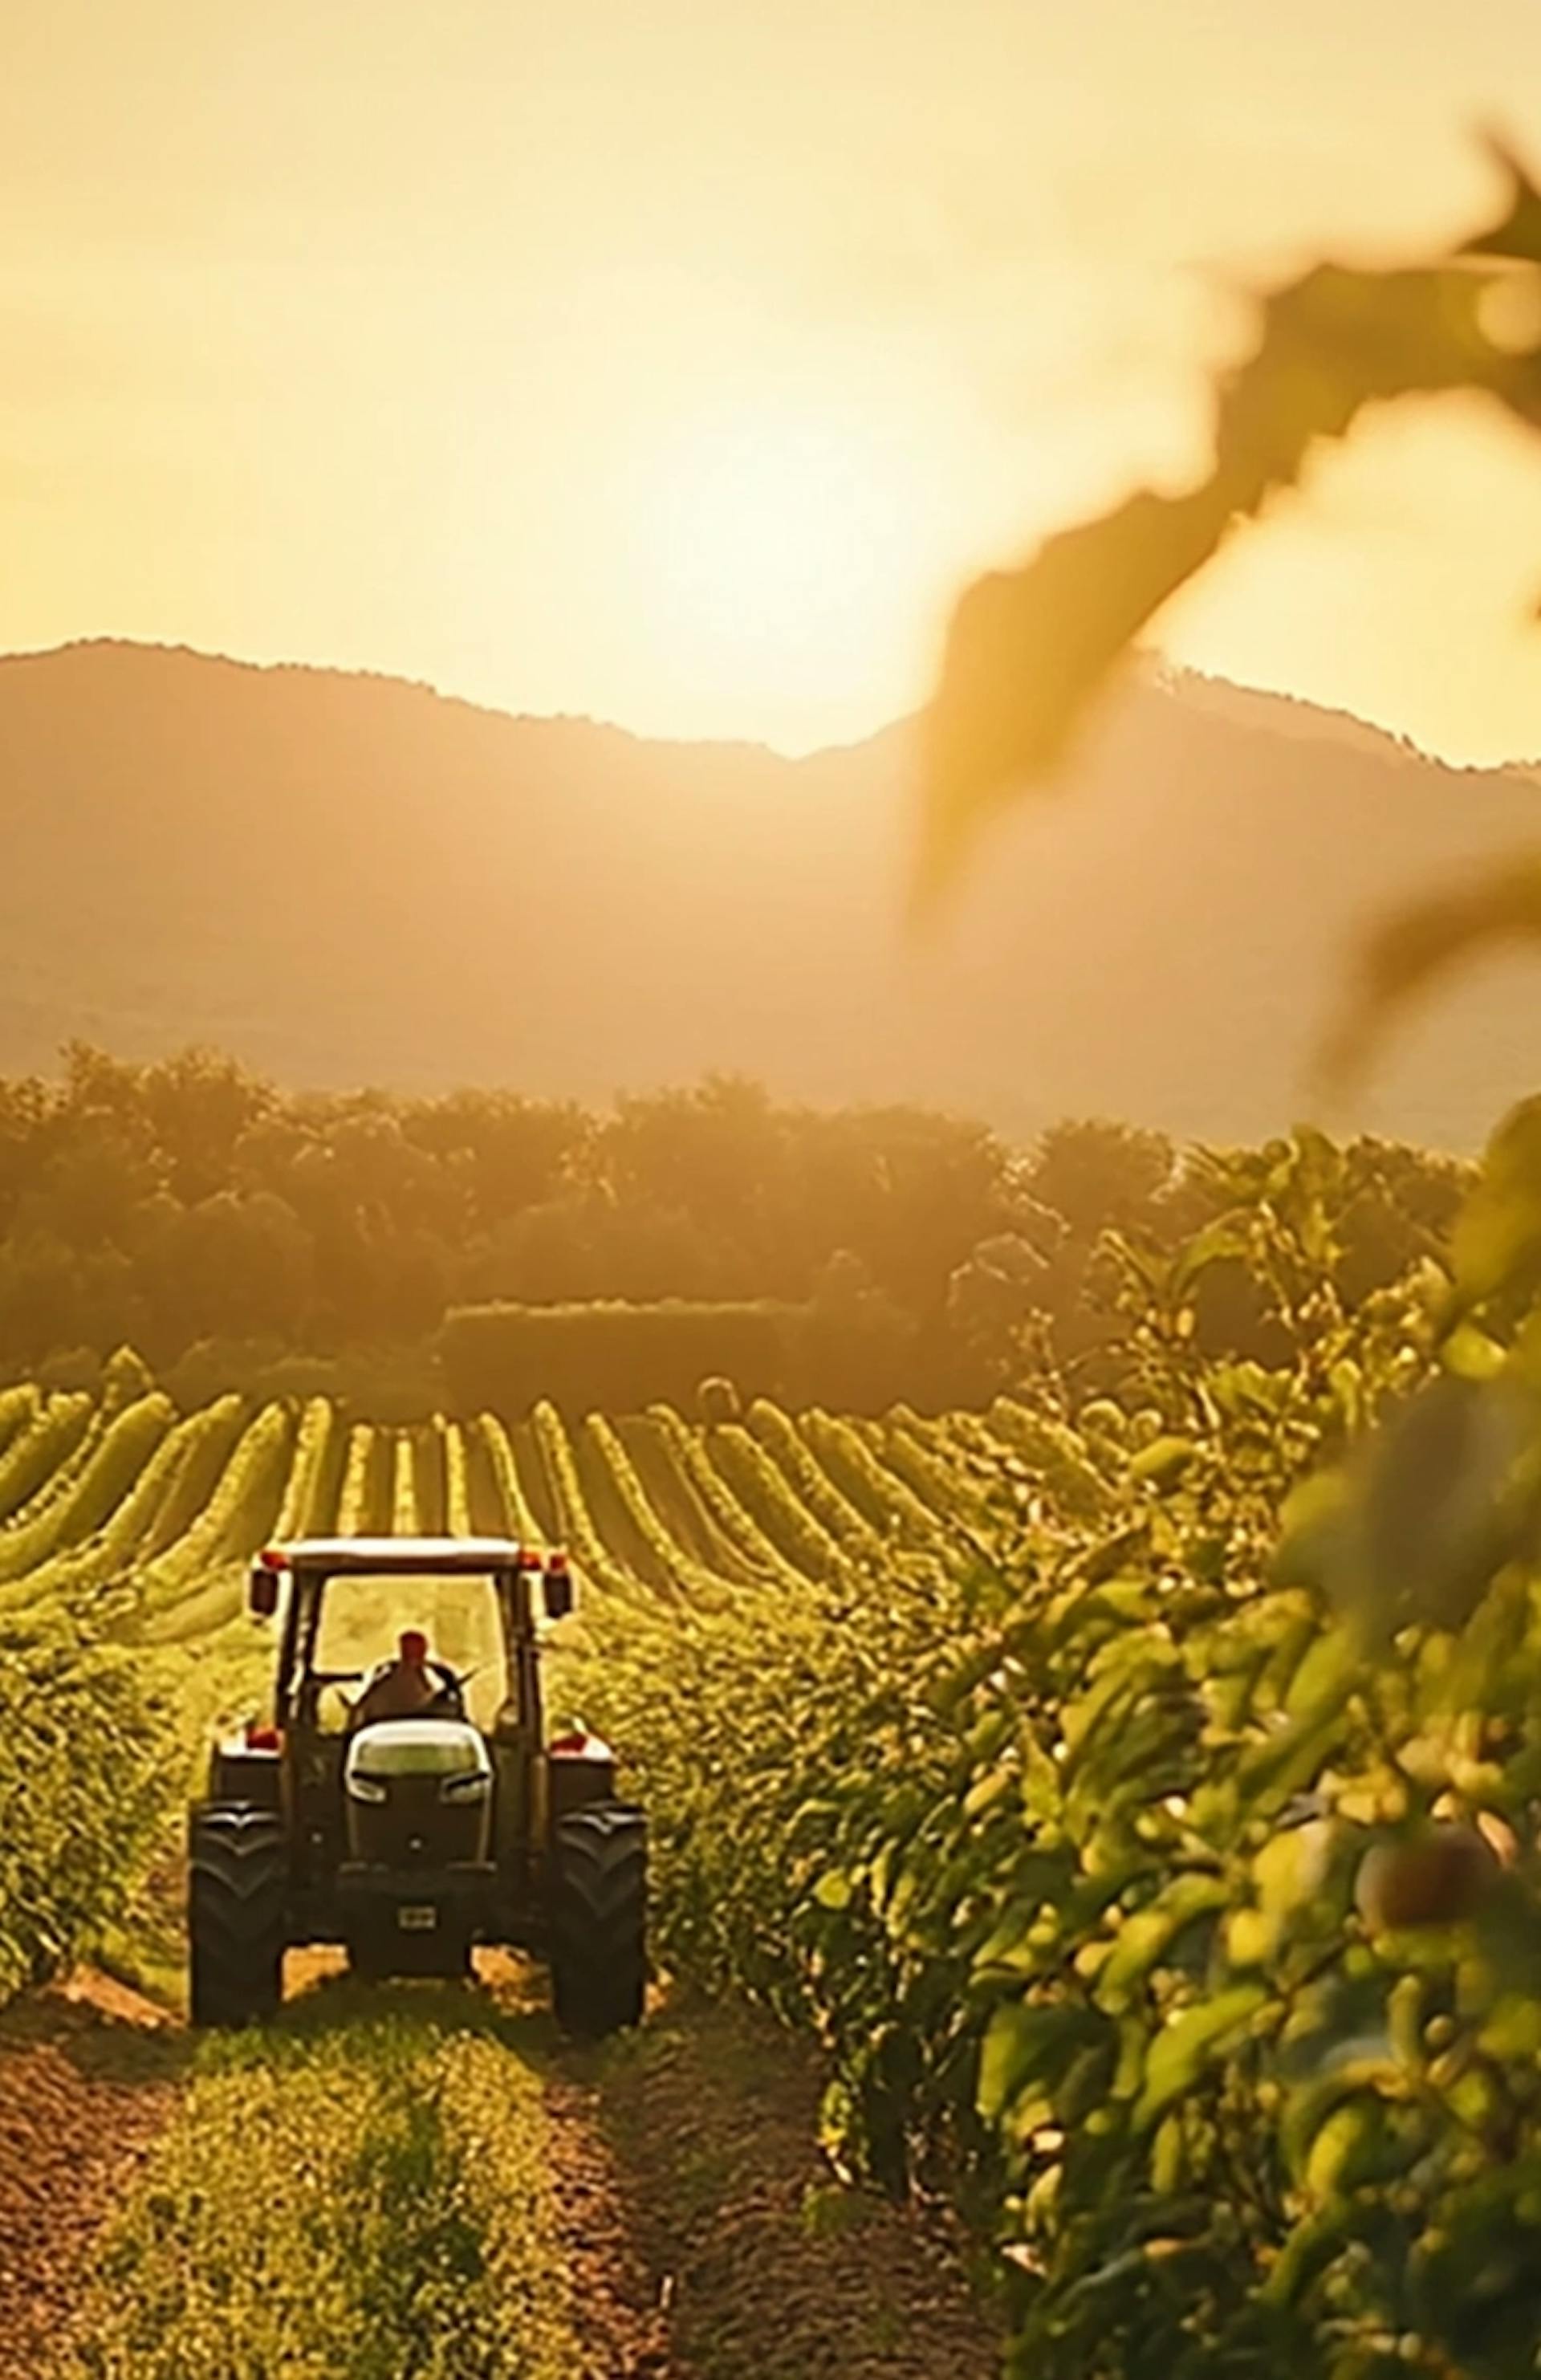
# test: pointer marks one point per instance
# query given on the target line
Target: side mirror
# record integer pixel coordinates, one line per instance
(558, 1586)
(261, 1593)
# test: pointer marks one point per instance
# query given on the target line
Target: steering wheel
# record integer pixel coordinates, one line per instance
(450, 1699)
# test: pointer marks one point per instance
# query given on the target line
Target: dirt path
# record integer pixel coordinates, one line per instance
(654, 2210)
(88, 2076)
(770, 2268)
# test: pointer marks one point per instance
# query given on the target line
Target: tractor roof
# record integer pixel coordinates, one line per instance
(407, 1556)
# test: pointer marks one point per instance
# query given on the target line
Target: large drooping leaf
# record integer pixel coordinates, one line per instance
(1436, 1500)
(1497, 1244)
(1029, 649)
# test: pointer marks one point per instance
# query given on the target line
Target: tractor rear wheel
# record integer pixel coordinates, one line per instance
(600, 1918)
(237, 1885)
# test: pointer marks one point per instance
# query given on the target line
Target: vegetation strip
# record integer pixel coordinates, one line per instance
(356, 2189)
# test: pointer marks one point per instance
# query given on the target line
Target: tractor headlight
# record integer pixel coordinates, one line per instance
(367, 1789)
(473, 1788)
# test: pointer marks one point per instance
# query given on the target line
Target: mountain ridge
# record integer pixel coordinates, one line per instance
(348, 875)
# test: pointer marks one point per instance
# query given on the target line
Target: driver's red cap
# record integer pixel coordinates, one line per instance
(414, 1647)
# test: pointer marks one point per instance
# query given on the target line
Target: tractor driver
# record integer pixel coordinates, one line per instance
(403, 1688)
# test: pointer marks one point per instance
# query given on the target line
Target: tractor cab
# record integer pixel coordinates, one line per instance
(408, 1799)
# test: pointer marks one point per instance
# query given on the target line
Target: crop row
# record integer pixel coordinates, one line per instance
(124, 1497)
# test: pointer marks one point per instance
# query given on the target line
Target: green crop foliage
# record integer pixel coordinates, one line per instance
(1064, 1852)
(689, 1449)
(679, 1569)
(762, 1489)
(1137, 1794)
(889, 1503)
(371, 2196)
(39, 1450)
(583, 1539)
(845, 1521)
(84, 1768)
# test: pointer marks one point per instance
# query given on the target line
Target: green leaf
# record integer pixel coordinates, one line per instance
(1163, 1464)
(1497, 1241)
(1451, 1491)
(1021, 2046)
(1142, 1938)
(1179, 2054)
(1313, 2243)
(1028, 649)
(1315, 2107)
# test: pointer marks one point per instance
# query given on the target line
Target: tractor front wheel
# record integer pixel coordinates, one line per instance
(237, 1885)
(598, 1918)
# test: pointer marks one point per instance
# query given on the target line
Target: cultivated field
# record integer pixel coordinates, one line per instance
(123, 1496)
(1132, 1792)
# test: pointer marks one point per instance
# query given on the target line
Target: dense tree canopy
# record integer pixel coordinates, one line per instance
(215, 1221)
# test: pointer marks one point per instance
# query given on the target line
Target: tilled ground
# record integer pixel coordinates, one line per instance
(615, 2292)
(767, 2267)
(88, 2076)
(692, 2231)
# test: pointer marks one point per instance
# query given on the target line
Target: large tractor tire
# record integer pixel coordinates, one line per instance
(600, 1918)
(236, 1887)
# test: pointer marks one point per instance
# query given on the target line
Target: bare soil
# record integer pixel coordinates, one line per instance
(88, 2075)
(766, 2266)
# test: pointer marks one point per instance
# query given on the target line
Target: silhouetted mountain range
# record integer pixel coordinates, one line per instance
(345, 878)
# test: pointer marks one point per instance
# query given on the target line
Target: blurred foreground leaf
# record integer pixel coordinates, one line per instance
(1425, 940)
(1029, 649)
(1435, 1504)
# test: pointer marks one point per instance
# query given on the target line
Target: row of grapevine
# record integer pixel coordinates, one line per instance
(127, 1492)
(123, 1523)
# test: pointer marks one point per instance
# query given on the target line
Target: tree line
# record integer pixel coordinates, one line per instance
(242, 1235)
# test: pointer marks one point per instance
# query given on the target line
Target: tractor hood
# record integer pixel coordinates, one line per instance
(419, 1747)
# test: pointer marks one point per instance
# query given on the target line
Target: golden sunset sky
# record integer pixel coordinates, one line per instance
(672, 360)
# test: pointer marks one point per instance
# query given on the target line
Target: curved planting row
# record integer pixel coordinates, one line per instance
(126, 1529)
(126, 1493)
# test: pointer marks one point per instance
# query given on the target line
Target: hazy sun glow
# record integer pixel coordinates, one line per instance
(675, 364)
(790, 552)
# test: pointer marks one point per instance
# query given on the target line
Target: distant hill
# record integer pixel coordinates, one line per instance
(346, 877)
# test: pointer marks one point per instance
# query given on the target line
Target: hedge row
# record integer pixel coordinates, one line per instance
(621, 1357)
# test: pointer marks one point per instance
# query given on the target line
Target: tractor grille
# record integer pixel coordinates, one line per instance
(414, 1827)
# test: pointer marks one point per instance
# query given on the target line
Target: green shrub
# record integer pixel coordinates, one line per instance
(1135, 1878)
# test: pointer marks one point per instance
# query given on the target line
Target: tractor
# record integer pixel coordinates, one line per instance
(412, 1837)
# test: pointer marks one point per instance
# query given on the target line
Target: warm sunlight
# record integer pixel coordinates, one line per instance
(785, 552)
(770, 1457)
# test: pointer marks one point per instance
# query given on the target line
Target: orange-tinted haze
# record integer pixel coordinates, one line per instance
(672, 363)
